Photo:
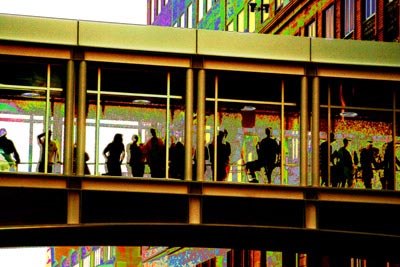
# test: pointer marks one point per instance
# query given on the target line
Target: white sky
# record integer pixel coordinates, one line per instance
(23, 257)
(123, 11)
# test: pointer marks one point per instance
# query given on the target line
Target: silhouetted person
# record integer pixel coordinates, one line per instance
(177, 160)
(268, 154)
(136, 157)
(325, 160)
(114, 154)
(345, 164)
(8, 150)
(86, 169)
(53, 152)
(155, 154)
(222, 160)
(228, 151)
(389, 168)
(128, 156)
(368, 163)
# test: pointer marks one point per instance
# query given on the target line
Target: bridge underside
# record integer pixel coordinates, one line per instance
(134, 212)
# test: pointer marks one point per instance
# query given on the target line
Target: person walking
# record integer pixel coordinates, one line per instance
(114, 153)
(268, 154)
(53, 153)
(8, 150)
(368, 163)
(346, 166)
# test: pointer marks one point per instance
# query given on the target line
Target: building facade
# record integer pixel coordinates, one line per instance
(376, 20)
(87, 81)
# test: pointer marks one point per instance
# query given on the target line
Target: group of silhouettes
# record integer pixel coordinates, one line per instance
(139, 154)
(345, 166)
(152, 153)
(11, 155)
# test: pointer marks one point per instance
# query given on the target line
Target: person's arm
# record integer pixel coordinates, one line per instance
(40, 138)
(105, 151)
(122, 156)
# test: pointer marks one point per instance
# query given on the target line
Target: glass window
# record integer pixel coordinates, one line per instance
(242, 120)
(357, 113)
(265, 10)
(201, 9)
(28, 99)
(231, 26)
(152, 10)
(183, 20)
(329, 21)
(278, 4)
(348, 16)
(370, 7)
(312, 29)
(252, 21)
(209, 5)
(241, 21)
(132, 101)
(190, 16)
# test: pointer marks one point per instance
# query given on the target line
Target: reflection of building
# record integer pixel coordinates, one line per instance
(91, 80)
(349, 19)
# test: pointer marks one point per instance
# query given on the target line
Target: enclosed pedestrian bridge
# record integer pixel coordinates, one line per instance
(88, 76)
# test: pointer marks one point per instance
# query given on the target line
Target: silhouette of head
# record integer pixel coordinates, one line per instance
(3, 132)
(118, 138)
(221, 135)
(153, 132)
(346, 141)
(268, 131)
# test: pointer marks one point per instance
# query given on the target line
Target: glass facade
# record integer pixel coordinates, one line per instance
(132, 99)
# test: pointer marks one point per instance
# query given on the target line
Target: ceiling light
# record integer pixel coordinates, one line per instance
(141, 101)
(348, 114)
(248, 108)
(30, 94)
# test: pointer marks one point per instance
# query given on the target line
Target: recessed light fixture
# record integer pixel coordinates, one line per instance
(30, 94)
(141, 101)
(248, 108)
(348, 114)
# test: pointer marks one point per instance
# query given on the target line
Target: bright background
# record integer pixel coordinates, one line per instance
(23, 257)
(121, 11)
